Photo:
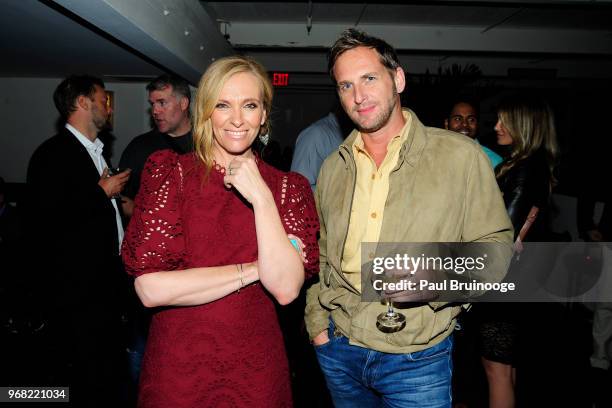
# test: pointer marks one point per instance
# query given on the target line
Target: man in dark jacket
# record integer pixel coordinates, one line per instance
(76, 229)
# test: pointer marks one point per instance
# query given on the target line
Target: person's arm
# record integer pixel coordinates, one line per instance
(522, 191)
(162, 281)
(60, 189)
(485, 221)
(112, 185)
(155, 255)
(306, 159)
(195, 286)
(486, 218)
(316, 316)
(280, 266)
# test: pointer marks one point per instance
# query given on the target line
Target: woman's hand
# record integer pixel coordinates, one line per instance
(279, 267)
(243, 174)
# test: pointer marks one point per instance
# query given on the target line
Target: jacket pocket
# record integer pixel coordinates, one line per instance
(327, 275)
(420, 323)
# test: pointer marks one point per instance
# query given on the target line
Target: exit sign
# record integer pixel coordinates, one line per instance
(280, 79)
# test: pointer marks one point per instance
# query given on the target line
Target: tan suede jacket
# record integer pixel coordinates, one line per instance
(441, 190)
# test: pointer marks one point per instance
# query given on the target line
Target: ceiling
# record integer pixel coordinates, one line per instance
(535, 14)
(40, 39)
(570, 38)
(137, 40)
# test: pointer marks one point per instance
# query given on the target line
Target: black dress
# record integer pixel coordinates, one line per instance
(525, 185)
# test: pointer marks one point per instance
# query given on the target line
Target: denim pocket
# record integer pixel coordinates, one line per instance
(439, 350)
(322, 346)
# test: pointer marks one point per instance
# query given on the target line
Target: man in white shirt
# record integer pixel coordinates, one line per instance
(75, 226)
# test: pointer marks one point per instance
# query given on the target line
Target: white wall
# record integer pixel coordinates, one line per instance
(28, 117)
(131, 117)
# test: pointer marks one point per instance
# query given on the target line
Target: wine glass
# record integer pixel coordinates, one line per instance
(390, 321)
(113, 171)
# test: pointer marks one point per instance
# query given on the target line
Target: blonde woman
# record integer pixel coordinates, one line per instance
(526, 126)
(209, 245)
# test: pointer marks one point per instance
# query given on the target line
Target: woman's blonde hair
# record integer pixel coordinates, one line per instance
(207, 97)
(531, 124)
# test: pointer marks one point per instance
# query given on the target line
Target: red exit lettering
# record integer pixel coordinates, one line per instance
(280, 79)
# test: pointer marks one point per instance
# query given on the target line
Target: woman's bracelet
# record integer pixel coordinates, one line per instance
(240, 277)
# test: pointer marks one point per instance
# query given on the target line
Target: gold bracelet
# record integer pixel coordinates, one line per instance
(240, 274)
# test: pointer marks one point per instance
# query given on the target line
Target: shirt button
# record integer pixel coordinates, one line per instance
(373, 176)
(373, 215)
(371, 255)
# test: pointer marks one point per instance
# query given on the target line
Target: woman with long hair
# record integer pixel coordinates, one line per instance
(210, 247)
(526, 126)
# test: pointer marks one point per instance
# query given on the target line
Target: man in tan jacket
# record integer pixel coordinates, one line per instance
(392, 180)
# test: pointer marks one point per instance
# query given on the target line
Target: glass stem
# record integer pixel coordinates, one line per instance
(390, 310)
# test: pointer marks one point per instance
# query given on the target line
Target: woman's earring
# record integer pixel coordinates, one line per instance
(264, 138)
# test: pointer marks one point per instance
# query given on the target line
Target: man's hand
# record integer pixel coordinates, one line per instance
(321, 339)
(112, 185)
(413, 281)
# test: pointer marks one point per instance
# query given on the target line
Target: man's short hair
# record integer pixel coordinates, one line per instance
(180, 87)
(464, 99)
(71, 88)
(352, 38)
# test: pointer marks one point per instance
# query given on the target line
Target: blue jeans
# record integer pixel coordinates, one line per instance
(360, 377)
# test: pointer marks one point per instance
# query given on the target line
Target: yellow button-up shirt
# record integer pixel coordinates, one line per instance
(368, 209)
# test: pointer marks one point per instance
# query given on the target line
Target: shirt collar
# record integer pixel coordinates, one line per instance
(95, 146)
(395, 142)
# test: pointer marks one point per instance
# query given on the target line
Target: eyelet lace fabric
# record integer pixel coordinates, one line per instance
(218, 168)
(230, 352)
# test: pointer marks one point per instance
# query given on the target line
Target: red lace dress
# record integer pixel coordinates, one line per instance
(230, 352)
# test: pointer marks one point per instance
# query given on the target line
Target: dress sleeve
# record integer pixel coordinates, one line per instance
(525, 188)
(154, 237)
(299, 217)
